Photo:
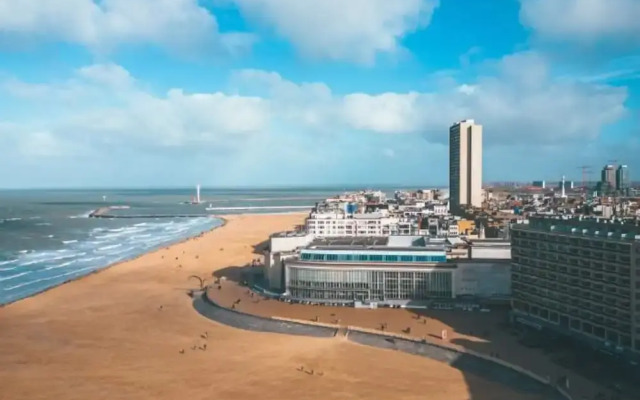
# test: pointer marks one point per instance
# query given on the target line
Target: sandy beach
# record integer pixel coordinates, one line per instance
(130, 332)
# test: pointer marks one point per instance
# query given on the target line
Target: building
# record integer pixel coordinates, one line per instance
(608, 177)
(579, 277)
(465, 165)
(622, 178)
(281, 246)
(341, 224)
(539, 184)
(392, 270)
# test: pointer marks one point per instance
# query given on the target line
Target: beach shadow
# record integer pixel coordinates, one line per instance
(261, 247)
(245, 275)
(548, 355)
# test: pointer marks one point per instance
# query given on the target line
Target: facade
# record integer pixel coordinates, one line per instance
(340, 224)
(391, 270)
(465, 165)
(622, 178)
(608, 177)
(372, 274)
(579, 277)
(281, 246)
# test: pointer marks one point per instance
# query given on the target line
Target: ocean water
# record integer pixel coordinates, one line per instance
(47, 237)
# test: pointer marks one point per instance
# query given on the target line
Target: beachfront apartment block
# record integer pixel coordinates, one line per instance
(579, 277)
(465, 165)
(341, 224)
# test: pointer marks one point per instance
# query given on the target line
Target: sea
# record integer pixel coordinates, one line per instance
(47, 237)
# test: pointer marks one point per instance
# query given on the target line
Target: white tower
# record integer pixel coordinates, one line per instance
(564, 195)
(198, 194)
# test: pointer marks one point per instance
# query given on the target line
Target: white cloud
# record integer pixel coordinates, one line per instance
(108, 74)
(180, 25)
(103, 105)
(586, 21)
(354, 30)
(384, 113)
(519, 103)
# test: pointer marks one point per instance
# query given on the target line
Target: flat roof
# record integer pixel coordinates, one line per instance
(377, 243)
(289, 234)
(351, 241)
(373, 265)
(428, 248)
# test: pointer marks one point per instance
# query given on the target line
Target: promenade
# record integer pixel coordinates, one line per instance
(497, 372)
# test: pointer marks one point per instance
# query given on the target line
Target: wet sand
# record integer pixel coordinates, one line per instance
(130, 332)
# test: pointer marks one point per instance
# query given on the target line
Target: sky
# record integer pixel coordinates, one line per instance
(241, 93)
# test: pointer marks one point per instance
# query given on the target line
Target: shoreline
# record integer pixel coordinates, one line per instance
(98, 270)
(138, 320)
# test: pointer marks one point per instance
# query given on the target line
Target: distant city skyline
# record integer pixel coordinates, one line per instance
(261, 93)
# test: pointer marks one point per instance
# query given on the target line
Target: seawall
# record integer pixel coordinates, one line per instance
(478, 364)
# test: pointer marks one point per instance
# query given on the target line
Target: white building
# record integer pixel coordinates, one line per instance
(339, 224)
(282, 246)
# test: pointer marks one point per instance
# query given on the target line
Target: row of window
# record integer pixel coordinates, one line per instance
(372, 258)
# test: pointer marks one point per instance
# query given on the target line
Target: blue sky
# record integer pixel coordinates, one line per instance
(306, 92)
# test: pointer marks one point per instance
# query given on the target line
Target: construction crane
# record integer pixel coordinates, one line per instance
(586, 169)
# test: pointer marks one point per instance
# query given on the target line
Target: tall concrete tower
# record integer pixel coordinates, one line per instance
(465, 165)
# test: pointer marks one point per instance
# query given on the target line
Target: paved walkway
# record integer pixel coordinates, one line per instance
(464, 362)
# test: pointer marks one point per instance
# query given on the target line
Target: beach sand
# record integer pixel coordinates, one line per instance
(119, 334)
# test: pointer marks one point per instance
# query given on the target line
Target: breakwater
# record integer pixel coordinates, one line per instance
(105, 212)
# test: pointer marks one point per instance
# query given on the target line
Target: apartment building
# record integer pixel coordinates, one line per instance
(340, 224)
(465, 165)
(579, 277)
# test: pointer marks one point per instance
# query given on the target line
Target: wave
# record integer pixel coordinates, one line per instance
(45, 258)
(81, 260)
(61, 265)
(43, 224)
(113, 246)
(12, 219)
(8, 269)
(108, 236)
(6, 278)
(84, 215)
(47, 278)
(71, 258)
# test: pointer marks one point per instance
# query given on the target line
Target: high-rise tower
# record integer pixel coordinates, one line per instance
(465, 165)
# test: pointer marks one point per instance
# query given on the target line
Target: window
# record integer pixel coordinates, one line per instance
(363, 257)
(375, 257)
(391, 258)
(406, 258)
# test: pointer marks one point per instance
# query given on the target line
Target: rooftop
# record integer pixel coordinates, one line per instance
(378, 243)
(289, 234)
(584, 226)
